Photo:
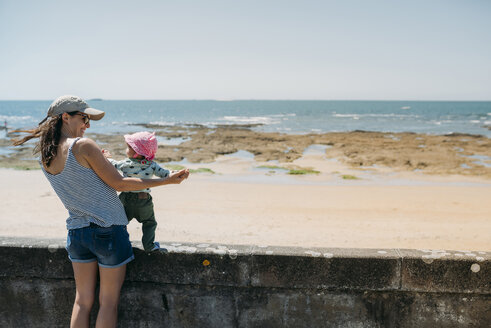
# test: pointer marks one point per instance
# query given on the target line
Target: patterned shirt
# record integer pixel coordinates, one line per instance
(139, 168)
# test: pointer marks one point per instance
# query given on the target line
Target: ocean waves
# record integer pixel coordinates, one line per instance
(291, 117)
(265, 120)
(390, 115)
(17, 119)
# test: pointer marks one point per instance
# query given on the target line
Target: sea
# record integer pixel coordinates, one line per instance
(284, 116)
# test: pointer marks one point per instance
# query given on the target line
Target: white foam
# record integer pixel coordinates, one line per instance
(161, 123)
(250, 119)
(375, 115)
(10, 118)
(346, 115)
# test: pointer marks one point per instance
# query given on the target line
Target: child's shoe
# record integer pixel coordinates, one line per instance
(156, 247)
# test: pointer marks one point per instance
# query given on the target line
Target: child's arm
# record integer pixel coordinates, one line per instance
(92, 155)
(117, 164)
(160, 171)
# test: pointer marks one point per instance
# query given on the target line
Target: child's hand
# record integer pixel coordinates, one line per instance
(106, 153)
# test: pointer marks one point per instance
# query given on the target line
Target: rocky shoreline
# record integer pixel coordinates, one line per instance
(454, 154)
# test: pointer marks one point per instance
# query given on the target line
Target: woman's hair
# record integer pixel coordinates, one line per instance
(49, 134)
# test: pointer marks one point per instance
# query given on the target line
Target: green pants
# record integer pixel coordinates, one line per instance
(142, 211)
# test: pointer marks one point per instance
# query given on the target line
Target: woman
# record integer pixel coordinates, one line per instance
(86, 183)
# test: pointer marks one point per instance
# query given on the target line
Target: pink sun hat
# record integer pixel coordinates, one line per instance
(143, 143)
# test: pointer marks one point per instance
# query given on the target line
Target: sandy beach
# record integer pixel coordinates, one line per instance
(240, 198)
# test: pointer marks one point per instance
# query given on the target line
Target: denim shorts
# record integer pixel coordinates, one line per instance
(110, 247)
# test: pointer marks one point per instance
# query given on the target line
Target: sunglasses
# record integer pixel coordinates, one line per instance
(85, 117)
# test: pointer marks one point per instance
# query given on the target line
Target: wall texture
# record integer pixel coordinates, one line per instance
(202, 285)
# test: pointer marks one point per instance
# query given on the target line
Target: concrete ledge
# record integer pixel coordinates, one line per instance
(446, 271)
(203, 285)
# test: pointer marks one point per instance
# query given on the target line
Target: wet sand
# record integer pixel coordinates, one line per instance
(371, 190)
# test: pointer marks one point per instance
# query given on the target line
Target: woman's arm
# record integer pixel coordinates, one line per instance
(92, 154)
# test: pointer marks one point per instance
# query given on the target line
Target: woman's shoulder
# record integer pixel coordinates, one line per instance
(85, 145)
(84, 141)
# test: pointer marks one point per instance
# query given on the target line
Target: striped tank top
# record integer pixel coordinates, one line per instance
(87, 198)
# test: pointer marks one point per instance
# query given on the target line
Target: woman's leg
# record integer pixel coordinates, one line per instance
(111, 280)
(85, 280)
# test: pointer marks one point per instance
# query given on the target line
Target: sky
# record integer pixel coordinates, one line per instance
(288, 49)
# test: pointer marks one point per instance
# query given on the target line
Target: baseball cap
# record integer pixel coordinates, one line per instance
(68, 103)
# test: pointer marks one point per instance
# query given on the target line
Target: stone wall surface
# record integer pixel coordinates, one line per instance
(202, 285)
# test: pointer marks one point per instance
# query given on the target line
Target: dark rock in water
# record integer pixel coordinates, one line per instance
(458, 134)
(239, 126)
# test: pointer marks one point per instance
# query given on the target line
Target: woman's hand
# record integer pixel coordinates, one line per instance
(106, 153)
(176, 177)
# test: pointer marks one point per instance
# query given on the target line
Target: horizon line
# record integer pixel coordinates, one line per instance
(263, 99)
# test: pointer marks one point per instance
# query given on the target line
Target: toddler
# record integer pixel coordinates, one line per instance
(141, 149)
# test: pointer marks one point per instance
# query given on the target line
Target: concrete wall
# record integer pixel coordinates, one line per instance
(201, 285)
